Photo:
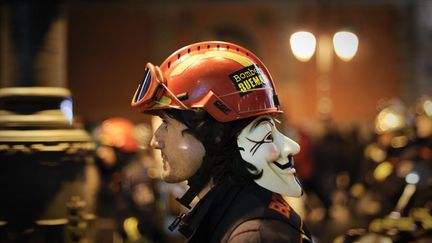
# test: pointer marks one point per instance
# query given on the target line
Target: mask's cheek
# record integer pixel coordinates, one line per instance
(263, 157)
(272, 152)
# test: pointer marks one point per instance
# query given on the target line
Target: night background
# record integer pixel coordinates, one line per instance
(69, 67)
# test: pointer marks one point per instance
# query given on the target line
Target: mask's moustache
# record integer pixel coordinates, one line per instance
(287, 165)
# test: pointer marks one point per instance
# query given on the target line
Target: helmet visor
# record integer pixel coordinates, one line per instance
(147, 91)
(152, 88)
(143, 87)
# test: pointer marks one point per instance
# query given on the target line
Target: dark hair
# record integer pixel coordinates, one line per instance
(222, 156)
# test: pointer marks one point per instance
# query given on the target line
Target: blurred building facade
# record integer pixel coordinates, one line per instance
(109, 44)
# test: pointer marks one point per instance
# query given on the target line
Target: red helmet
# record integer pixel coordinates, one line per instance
(118, 132)
(225, 79)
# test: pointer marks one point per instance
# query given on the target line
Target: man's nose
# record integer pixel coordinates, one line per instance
(156, 143)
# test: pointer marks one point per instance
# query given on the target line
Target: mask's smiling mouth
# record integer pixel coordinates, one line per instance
(289, 164)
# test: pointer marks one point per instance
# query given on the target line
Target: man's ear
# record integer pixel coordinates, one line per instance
(186, 130)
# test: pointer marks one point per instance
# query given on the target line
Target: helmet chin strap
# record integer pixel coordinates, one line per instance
(196, 183)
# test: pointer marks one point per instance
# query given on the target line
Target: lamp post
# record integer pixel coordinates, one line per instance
(304, 44)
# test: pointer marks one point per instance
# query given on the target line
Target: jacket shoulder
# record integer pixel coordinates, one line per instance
(263, 230)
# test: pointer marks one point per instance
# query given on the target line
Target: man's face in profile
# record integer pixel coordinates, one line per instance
(182, 154)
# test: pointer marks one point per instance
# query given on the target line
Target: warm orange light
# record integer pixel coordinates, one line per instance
(303, 45)
(427, 107)
(389, 120)
(345, 45)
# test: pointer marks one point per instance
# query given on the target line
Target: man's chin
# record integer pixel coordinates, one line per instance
(170, 179)
(167, 178)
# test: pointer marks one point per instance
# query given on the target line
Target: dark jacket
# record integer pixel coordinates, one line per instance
(248, 213)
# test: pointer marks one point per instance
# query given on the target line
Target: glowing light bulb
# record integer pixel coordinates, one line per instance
(303, 45)
(345, 45)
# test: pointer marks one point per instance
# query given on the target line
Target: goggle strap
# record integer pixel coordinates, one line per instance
(174, 96)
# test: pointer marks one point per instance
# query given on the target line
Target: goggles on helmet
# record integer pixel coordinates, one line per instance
(150, 92)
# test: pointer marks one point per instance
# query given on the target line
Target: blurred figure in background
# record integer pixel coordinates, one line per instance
(396, 196)
(336, 156)
(420, 153)
(386, 164)
(327, 157)
(127, 201)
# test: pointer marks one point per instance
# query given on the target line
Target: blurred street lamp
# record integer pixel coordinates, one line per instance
(303, 45)
(345, 45)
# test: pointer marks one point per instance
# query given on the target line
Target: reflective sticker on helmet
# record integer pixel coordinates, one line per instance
(251, 77)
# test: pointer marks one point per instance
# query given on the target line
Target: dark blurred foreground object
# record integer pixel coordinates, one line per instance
(48, 179)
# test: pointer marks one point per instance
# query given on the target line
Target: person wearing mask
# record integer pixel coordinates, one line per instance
(218, 106)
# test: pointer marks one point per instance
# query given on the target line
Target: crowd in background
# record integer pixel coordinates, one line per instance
(360, 184)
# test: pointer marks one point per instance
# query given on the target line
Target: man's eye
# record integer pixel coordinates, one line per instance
(164, 124)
